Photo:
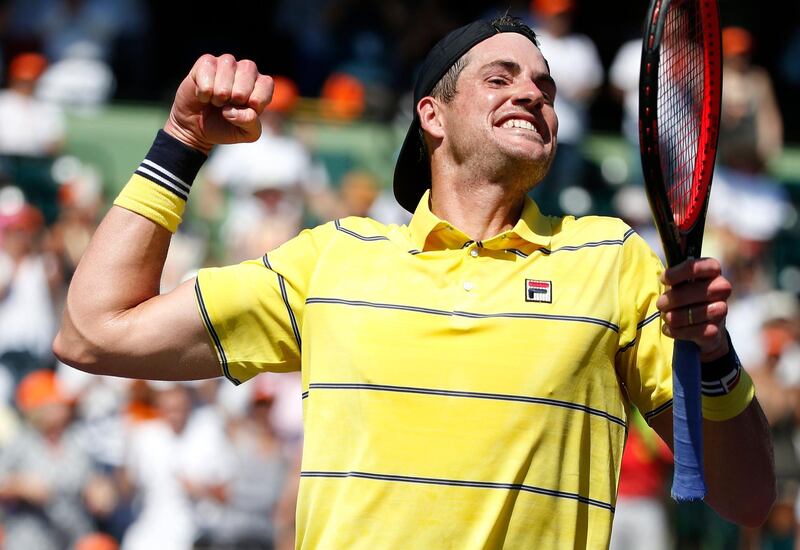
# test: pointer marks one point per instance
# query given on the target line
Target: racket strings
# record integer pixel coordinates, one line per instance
(681, 81)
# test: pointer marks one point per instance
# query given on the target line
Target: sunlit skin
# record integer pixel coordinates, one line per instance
(480, 169)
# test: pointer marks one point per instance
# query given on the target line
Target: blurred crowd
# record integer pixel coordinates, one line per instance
(96, 463)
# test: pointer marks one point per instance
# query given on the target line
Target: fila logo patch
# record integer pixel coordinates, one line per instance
(538, 291)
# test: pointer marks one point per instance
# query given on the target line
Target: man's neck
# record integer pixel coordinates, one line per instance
(481, 211)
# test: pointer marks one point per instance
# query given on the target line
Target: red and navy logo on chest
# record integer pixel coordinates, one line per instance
(538, 291)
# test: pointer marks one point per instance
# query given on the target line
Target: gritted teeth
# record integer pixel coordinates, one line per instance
(518, 123)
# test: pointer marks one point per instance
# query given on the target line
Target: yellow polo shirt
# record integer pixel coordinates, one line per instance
(456, 394)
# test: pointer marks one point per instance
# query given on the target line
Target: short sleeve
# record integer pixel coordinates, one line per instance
(644, 359)
(253, 311)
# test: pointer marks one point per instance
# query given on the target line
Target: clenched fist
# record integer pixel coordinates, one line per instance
(218, 102)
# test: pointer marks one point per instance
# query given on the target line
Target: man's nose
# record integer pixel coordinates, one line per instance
(529, 94)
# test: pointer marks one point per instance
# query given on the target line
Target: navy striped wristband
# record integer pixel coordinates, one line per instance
(171, 164)
(720, 376)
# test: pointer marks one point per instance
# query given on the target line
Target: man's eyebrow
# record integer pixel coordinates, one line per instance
(514, 68)
(506, 64)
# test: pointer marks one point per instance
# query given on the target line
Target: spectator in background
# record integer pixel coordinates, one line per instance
(29, 127)
(624, 79)
(101, 428)
(258, 471)
(370, 62)
(778, 379)
(209, 463)
(28, 282)
(48, 489)
(167, 458)
(739, 240)
(270, 182)
(80, 199)
(97, 541)
(386, 210)
(32, 134)
(343, 97)
(750, 136)
(80, 80)
(359, 190)
(575, 65)
(751, 127)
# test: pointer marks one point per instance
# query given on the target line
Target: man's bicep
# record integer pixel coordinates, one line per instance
(168, 338)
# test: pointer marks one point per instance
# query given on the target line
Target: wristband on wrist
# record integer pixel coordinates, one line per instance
(720, 376)
(160, 186)
(731, 404)
(727, 388)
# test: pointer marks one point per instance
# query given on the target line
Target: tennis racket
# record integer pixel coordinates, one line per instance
(680, 85)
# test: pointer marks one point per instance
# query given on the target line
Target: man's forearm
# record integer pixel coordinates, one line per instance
(739, 466)
(115, 321)
(120, 270)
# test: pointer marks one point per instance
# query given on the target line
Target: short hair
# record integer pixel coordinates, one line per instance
(447, 87)
(445, 90)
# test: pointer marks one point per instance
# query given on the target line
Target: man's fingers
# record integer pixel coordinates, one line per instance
(262, 93)
(699, 314)
(698, 292)
(705, 335)
(240, 116)
(243, 82)
(203, 74)
(694, 307)
(691, 270)
(223, 80)
(246, 120)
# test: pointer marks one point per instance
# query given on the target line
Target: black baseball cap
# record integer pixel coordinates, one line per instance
(412, 173)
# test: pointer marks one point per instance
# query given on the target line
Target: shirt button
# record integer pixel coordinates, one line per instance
(473, 253)
(468, 286)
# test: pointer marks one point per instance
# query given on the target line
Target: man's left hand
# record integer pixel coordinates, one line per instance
(695, 305)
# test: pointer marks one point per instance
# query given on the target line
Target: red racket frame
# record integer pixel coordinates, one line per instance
(680, 239)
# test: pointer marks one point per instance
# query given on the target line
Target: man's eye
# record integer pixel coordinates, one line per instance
(497, 81)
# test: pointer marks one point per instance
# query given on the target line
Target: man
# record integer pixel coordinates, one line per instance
(467, 379)
(29, 127)
(575, 65)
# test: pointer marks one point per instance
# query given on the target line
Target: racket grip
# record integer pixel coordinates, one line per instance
(688, 482)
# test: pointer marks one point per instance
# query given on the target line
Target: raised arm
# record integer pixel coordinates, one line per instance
(115, 321)
(739, 467)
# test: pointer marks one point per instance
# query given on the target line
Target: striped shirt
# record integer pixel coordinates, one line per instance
(456, 394)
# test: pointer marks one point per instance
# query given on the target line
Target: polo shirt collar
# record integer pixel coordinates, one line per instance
(532, 227)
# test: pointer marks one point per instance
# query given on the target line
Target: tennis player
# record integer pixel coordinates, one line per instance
(468, 378)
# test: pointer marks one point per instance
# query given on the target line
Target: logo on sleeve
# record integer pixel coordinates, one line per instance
(538, 291)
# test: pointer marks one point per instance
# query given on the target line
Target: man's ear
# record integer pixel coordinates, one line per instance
(430, 118)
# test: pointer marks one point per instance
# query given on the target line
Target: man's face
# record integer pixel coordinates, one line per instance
(502, 116)
(174, 405)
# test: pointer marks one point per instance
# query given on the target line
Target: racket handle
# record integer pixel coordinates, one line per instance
(688, 482)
